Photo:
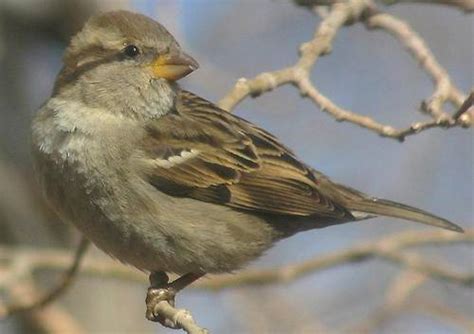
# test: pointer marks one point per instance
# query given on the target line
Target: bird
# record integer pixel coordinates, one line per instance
(164, 180)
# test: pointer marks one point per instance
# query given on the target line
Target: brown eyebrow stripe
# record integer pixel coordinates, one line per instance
(70, 72)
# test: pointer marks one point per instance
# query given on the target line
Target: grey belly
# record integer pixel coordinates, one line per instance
(152, 231)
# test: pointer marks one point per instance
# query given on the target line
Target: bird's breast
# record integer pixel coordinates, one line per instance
(81, 156)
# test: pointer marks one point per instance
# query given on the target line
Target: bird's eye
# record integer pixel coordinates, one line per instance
(131, 51)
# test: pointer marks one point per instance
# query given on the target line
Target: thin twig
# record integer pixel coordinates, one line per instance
(55, 292)
(466, 5)
(449, 315)
(466, 107)
(389, 249)
(399, 300)
(343, 13)
(50, 319)
(179, 318)
(384, 249)
(444, 88)
(60, 260)
(398, 294)
(321, 44)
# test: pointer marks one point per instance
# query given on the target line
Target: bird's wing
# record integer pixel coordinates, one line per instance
(203, 152)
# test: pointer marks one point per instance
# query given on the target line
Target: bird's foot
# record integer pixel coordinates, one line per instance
(159, 291)
(156, 296)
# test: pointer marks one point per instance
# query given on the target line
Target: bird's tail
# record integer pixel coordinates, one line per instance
(388, 208)
(360, 204)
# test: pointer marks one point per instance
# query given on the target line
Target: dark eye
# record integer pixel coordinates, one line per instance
(131, 51)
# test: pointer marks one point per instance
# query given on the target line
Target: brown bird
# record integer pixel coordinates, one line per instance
(165, 180)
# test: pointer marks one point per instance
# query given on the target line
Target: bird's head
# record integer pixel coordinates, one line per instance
(120, 53)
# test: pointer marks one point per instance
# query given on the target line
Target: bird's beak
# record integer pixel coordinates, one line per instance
(173, 65)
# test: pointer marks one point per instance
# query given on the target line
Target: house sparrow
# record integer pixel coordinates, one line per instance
(165, 180)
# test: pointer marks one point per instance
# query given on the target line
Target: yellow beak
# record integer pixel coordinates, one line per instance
(173, 66)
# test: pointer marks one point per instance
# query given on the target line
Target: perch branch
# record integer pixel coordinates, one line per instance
(178, 318)
(390, 248)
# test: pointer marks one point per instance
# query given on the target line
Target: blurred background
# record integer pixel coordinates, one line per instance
(367, 72)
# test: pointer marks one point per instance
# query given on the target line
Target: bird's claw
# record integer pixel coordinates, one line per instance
(156, 296)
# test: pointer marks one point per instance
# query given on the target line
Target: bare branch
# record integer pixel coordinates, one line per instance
(466, 5)
(397, 296)
(340, 14)
(389, 249)
(399, 300)
(443, 312)
(444, 88)
(51, 295)
(321, 44)
(60, 260)
(178, 318)
(466, 109)
(50, 319)
(34, 259)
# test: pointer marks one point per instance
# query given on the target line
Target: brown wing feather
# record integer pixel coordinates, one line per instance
(205, 153)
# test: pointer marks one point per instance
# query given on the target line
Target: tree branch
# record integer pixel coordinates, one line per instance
(310, 51)
(397, 296)
(392, 249)
(466, 5)
(399, 300)
(444, 88)
(49, 319)
(443, 312)
(389, 249)
(178, 318)
(340, 14)
(466, 109)
(23, 266)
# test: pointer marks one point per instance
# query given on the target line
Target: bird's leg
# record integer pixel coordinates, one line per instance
(162, 290)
